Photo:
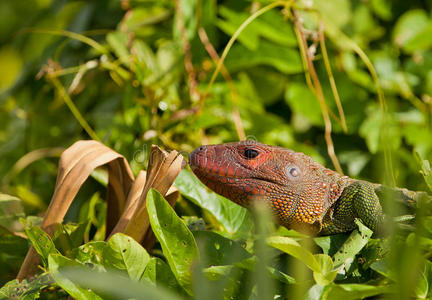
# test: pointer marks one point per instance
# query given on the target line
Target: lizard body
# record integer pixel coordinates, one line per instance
(302, 193)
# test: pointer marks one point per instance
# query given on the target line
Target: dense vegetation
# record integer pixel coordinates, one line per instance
(133, 73)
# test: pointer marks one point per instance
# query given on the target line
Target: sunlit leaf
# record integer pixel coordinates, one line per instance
(355, 242)
(131, 255)
(56, 262)
(233, 217)
(178, 243)
(294, 249)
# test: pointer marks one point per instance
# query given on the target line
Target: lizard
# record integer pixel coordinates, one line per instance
(302, 193)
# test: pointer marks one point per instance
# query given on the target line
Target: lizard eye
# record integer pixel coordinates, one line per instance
(294, 172)
(250, 153)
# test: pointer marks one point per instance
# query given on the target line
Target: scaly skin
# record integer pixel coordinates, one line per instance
(301, 192)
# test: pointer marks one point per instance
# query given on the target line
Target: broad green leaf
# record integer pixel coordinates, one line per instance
(410, 26)
(12, 244)
(283, 59)
(144, 16)
(327, 274)
(354, 291)
(355, 242)
(127, 254)
(157, 273)
(294, 249)
(281, 276)
(216, 250)
(178, 243)
(118, 41)
(249, 37)
(419, 42)
(69, 236)
(56, 262)
(233, 217)
(42, 243)
(270, 26)
(381, 267)
(302, 101)
(10, 211)
(331, 243)
(92, 253)
(114, 285)
(372, 131)
(27, 289)
(336, 12)
(186, 13)
(216, 272)
(315, 292)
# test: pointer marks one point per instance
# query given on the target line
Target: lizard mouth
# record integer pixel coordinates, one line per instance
(205, 162)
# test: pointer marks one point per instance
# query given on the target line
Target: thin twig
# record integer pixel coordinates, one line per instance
(317, 90)
(76, 113)
(234, 95)
(192, 82)
(330, 76)
(234, 38)
(338, 35)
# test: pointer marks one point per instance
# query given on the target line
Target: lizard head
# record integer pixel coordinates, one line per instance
(297, 189)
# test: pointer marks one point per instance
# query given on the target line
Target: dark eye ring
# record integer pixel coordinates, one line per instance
(294, 172)
(250, 153)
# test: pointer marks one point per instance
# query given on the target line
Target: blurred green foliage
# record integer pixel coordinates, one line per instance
(135, 72)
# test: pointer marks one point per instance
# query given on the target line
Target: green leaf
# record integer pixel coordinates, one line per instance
(69, 236)
(354, 291)
(426, 170)
(216, 250)
(127, 254)
(294, 249)
(92, 253)
(355, 242)
(331, 243)
(372, 130)
(27, 289)
(10, 211)
(327, 274)
(178, 243)
(42, 243)
(186, 14)
(157, 273)
(410, 27)
(233, 217)
(302, 101)
(249, 37)
(56, 262)
(270, 25)
(118, 41)
(283, 59)
(12, 244)
(336, 12)
(114, 285)
(382, 268)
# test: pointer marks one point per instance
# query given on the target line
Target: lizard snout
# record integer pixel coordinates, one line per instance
(198, 158)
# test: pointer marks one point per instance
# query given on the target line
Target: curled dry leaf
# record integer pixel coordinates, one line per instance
(125, 196)
(162, 169)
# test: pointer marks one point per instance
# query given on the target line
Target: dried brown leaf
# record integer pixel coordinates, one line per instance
(75, 166)
(162, 169)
